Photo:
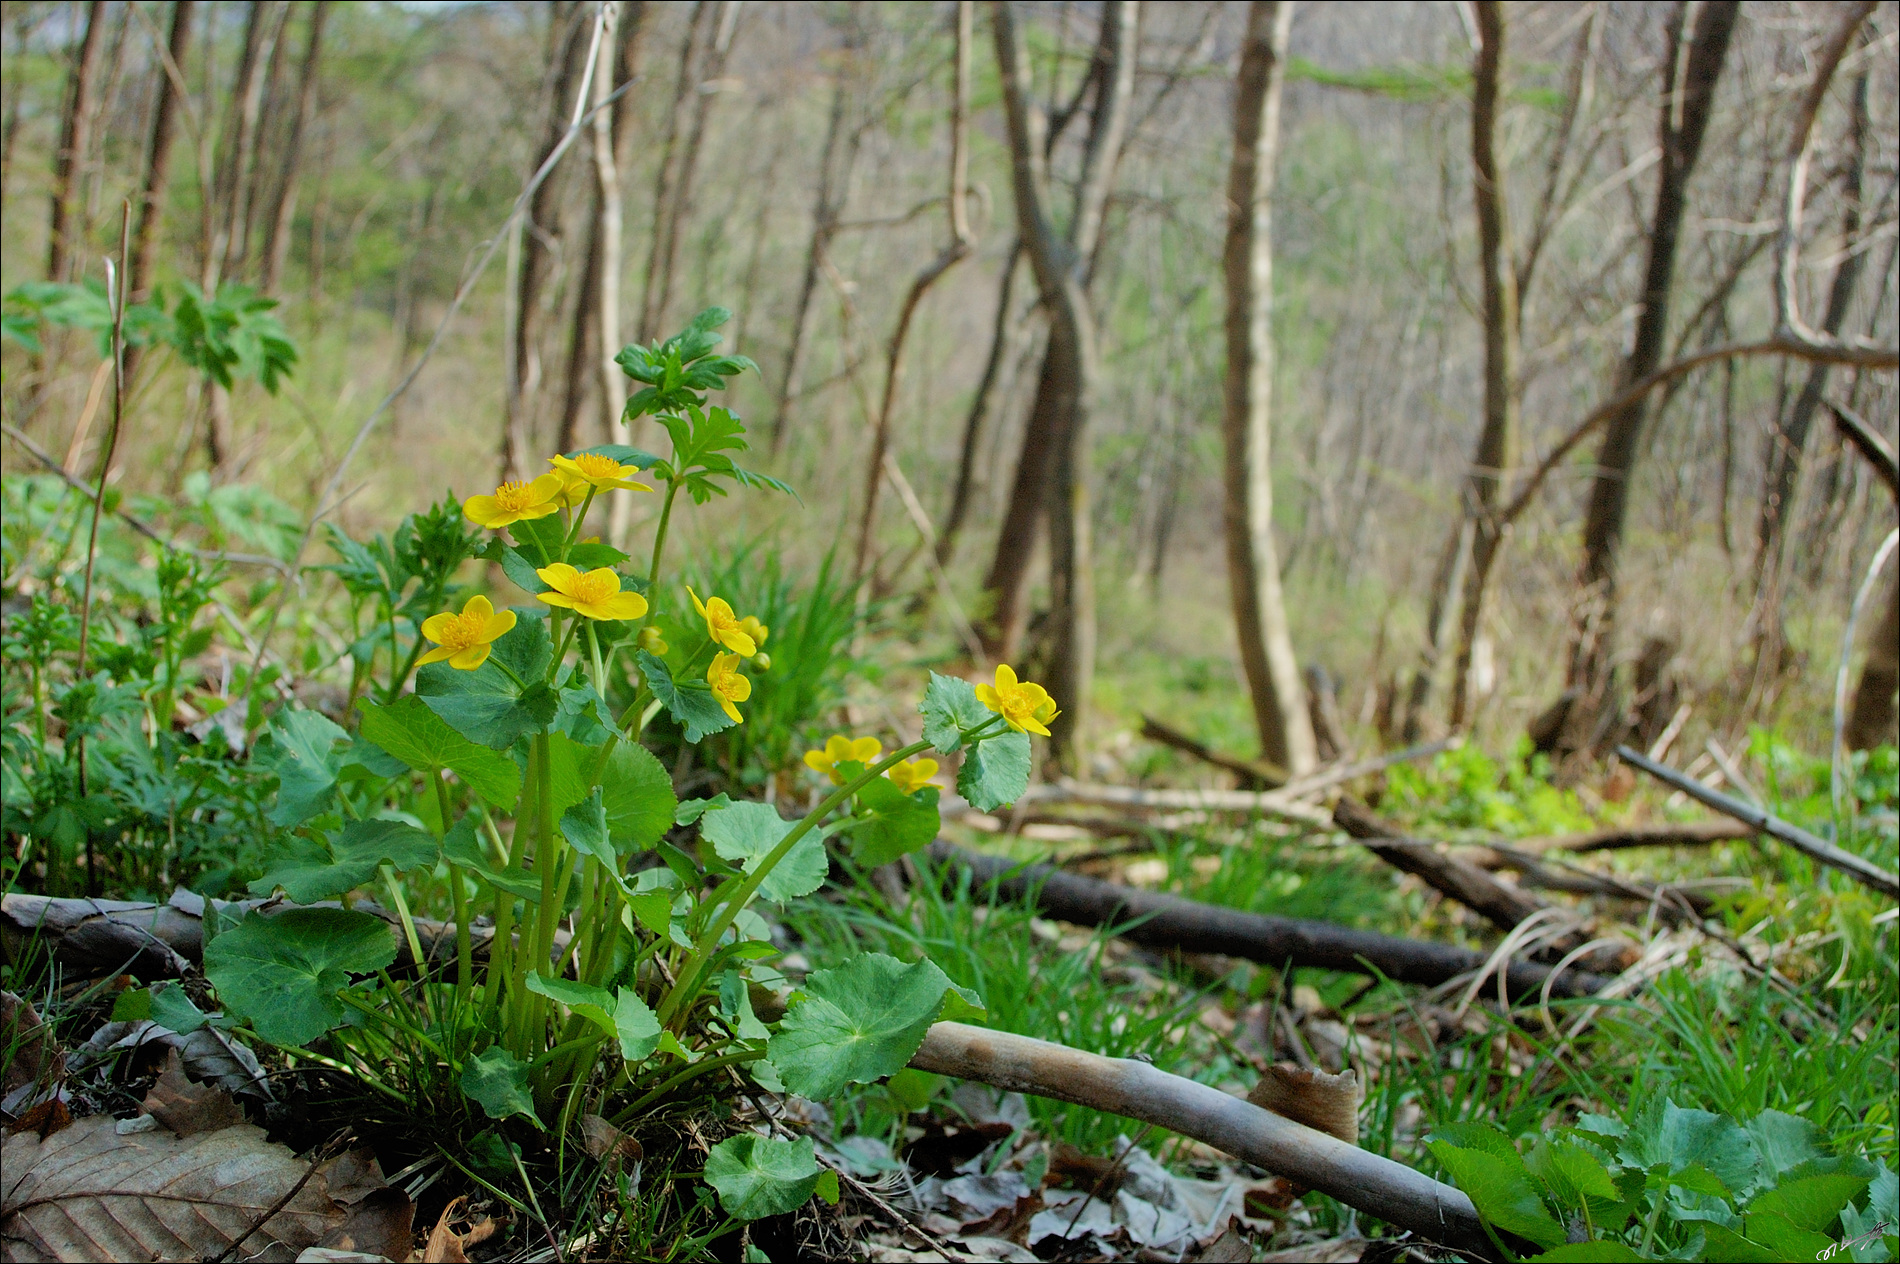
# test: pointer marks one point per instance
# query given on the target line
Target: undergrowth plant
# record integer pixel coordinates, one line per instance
(605, 951)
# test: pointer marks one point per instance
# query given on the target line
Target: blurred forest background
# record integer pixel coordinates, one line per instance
(1439, 332)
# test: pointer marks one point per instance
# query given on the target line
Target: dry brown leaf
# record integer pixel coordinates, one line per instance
(187, 1108)
(380, 1223)
(32, 1056)
(1309, 1096)
(603, 1139)
(446, 1246)
(89, 1193)
(44, 1119)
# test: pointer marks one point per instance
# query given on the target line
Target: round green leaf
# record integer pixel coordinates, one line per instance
(748, 832)
(857, 1023)
(284, 972)
(762, 1176)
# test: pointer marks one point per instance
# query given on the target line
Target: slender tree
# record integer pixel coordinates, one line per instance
(75, 142)
(1253, 564)
(962, 242)
(1698, 43)
(1050, 479)
(281, 212)
(158, 156)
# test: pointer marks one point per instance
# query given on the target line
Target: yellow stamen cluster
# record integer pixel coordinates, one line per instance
(595, 594)
(464, 639)
(1024, 705)
(516, 502)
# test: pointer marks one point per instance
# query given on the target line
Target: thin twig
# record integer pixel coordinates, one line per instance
(322, 1156)
(1835, 763)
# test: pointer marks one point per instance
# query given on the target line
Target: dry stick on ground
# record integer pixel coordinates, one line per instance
(1500, 902)
(1687, 834)
(1817, 848)
(1255, 770)
(1373, 1184)
(1162, 921)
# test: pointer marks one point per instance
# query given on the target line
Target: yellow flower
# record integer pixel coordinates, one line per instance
(1026, 706)
(590, 469)
(516, 502)
(840, 749)
(464, 639)
(913, 775)
(651, 641)
(728, 685)
(723, 626)
(596, 594)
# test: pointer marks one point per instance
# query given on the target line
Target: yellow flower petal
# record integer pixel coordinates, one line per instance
(499, 625)
(437, 654)
(436, 626)
(482, 510)
(622, 606)
(471, 658)
(556, 599)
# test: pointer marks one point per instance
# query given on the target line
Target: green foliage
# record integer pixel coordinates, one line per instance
(497, 1081)
(226, 336)
(750, 832)
(1674, 1183)
(763, 1176)
(349, 859)
(286, 973)
(858, 1023)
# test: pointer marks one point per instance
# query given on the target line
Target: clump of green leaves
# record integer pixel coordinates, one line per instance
(1674, 1183)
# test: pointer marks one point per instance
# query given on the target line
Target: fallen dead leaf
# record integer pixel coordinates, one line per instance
(1231, 1247)
(1310, 1096)
(92, 1193)
(381, 1223)
(603, 1139)
(33, 1057)
(1345, 1250)
(186, 1108)
(446, 1246)
(44, 1119)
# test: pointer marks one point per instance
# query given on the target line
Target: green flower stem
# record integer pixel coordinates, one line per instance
(458, 896)
(579, 520)
(343, 1068)
(408, 922)
(696, 1069)
(659, 544)
(415, 652)
(688, 985)
(593, 653)
(382, 1014)
(500, 949)
(563, 638)
(507, 671)
(548, 847)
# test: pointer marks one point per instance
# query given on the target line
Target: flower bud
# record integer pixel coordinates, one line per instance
(762, 661)
(651, 641)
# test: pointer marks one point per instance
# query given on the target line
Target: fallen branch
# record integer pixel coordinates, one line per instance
(1161, 921)
(1123, 1086)
(1672, 899)
(1326, 778)
(159, 941)
(1671, 834)
(1265, 803)
(1501, 903)
(1255, 770)
(1816, 848)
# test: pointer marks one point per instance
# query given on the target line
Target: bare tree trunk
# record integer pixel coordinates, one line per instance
(1253, 564)
(265, 142)
(833, 187)
(1498, 442)
(1688, 100)
(962, 241)
(1785, 446)
(619, 62)
(230, 213)
(1871, 722)
(1000, 341)
(282, 211)
(75, 140)
(583, 345)
(1054, 466)
(158, 156)
(568, 45)
(1052, 471)
(702, 59)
